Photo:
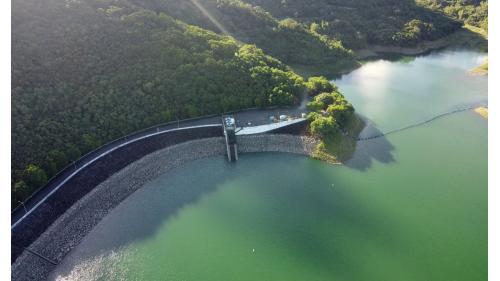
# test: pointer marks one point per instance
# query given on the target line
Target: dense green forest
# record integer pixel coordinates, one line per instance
(360, 23)
(472, 12)
(286, 39)
(84, 73)
(332, 120)
(308, 32)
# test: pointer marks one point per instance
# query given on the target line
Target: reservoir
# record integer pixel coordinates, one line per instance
(408, 206)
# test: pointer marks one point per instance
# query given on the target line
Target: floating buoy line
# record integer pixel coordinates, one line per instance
(416, 124)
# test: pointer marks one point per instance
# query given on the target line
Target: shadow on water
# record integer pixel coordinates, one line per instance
(299, 213)
(141, 215)
(144, 212)
(316, 219)
(368, 151)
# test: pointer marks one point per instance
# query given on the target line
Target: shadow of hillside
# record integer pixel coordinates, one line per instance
(468, 40)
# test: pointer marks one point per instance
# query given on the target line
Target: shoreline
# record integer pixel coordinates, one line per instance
(71, 228)
(378, 51)
(474, 39)
(372, 52)
(455, 39)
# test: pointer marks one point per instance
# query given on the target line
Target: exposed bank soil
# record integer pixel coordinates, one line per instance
(480, 70)
(375, 51)
(467, 37)
(483, 111)
(71, 228)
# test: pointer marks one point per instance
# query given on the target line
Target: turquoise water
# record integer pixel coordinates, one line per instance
(396, 93)
(409, 206)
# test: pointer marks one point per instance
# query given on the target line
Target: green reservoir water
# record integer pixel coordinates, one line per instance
(409, 206)
(398, 93)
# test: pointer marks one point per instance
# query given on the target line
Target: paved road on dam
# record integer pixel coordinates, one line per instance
(251, 117)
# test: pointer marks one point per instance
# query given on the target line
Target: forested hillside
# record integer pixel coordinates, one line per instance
(87, 72)
(472, 12)
(286, 39)
(314, 31)
(358, 23)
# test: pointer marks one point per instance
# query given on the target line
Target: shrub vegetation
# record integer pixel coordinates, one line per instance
(332, 120)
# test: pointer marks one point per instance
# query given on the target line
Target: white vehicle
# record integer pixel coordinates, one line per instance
(283, 117)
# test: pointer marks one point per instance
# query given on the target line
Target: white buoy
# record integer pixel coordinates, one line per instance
(253, 250)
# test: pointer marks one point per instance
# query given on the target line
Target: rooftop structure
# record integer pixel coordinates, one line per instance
(229, 125)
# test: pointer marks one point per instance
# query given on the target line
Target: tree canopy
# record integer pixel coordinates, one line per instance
(473, 12)
(319, 84)
(87, 72)
(330, 112)
(361, 23)
(287, 39)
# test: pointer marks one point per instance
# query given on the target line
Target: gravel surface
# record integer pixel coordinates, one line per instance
(70, 228)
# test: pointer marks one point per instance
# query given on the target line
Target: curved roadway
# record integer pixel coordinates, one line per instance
(251, 117)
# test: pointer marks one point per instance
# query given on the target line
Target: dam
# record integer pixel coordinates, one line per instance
(380, 212)
(65, 194)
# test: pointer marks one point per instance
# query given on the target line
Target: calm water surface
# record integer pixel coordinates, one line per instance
(411, 206)
(395, 94)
